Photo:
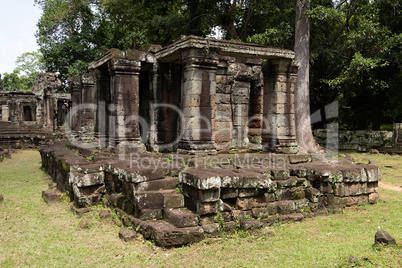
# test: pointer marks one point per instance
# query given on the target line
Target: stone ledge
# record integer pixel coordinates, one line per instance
(168, 203)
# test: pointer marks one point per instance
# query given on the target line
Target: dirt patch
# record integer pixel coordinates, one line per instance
(390, 187)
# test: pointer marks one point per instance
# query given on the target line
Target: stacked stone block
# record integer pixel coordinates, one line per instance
(361, 140)
(73, 173)
(175, 204)
(198, 101)
(279, 115)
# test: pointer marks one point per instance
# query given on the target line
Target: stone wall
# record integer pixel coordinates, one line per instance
(360, 140)
(180, 199)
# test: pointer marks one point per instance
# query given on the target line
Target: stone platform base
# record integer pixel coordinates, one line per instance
(179, 199)
(27, 139)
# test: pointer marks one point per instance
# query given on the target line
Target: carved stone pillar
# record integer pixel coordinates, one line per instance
(48, 104)
(240, 99)
(88, 111)
(124, 128)
(76, 100)
(397, 136)
(198, 101)
(279, 131)
(102, 99)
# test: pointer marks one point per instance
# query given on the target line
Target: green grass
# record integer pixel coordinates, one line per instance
(391, 168)
(33, 233)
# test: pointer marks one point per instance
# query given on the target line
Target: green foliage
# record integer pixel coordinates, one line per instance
(14, 81)
(169, 159)
(356, 59)
(247, 217)
(29, 64)
(221, 223)
(355, 46)
(65, 197)
(91, 157)
(71, 33)
(230, 160)
(274, 24)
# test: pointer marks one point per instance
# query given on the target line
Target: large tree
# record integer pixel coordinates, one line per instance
(304, 135)
(357, 60)
(71, 33)
(29, 64)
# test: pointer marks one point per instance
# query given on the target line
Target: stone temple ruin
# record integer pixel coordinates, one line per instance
(197, 96)
(28, 118)
(197, 138)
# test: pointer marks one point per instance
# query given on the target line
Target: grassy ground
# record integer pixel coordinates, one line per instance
(391, 168)
(33, 233)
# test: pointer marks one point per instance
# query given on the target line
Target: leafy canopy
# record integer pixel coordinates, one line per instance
(29, 64)
(355, 46)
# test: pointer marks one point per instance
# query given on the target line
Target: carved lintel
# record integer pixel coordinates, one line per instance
(124, 67)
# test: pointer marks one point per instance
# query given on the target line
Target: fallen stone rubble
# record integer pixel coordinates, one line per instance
(4, 153)
(181, 202)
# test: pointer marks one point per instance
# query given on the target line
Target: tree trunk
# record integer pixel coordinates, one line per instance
(304, 136)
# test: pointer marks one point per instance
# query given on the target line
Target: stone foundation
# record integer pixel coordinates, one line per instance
(180, 199)
(359, 140)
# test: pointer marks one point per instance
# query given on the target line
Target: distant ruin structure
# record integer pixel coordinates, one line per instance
(27, 118)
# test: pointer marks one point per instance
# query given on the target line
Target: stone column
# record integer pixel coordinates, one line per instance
(256, 111)
(153, 130)
(76, 100)
(89, 107)
(240, 99)
(397, 136)
(198, 101)
(49, 111)
(102, 99)
(5, 113)
(124, 91)
(279, 131)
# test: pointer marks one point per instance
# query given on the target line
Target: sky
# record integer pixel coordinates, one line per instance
(18, 20)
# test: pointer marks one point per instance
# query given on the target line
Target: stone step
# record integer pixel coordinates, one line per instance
(135, 173)
(167, 235)
(82, 180)
(215, 178)
(168, 183)
(162, 232)
(51, 197)
(87, 167)
(181, 217)
(151, 199)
